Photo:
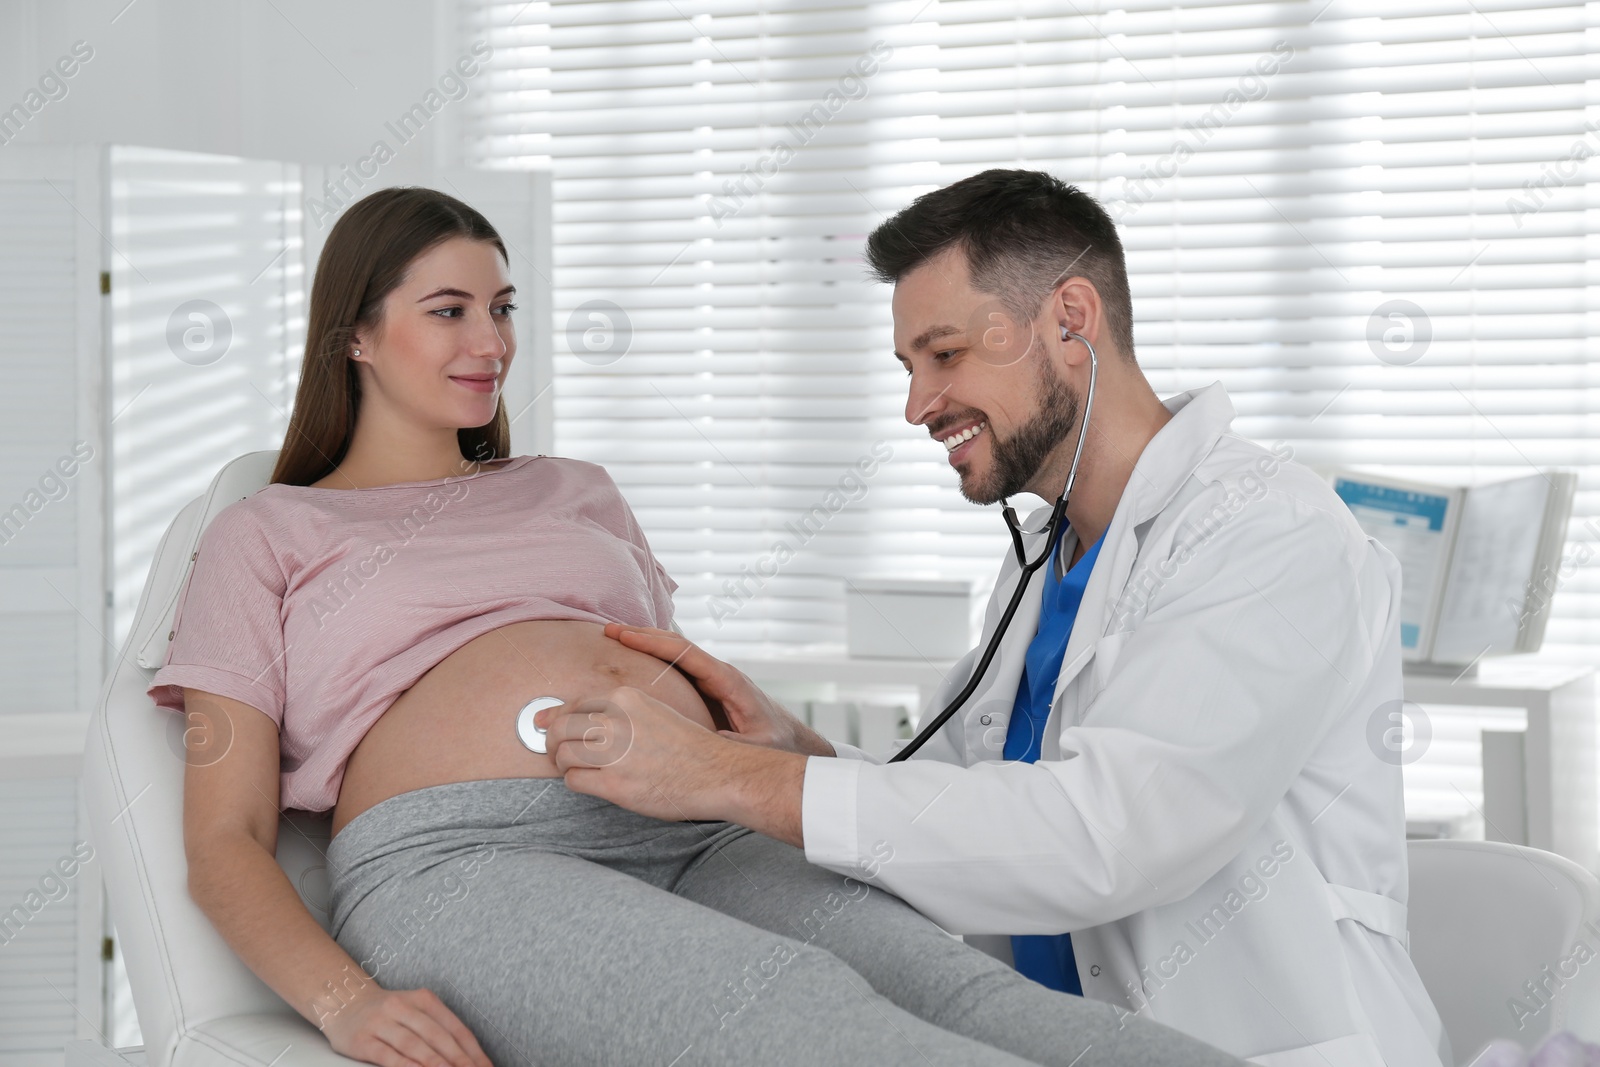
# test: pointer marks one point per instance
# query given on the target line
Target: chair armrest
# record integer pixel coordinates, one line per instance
(257, 1041)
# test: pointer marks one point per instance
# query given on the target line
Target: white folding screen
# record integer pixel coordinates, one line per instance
(52, 462)
(50, 978)
(1372, 221)
(207, 314)
(52, 618)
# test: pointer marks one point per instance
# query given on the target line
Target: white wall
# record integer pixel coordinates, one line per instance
(300, 80)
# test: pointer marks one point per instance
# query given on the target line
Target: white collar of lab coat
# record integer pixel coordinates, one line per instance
(1199, 417)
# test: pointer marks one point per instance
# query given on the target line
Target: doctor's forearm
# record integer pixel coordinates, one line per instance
(763, 792)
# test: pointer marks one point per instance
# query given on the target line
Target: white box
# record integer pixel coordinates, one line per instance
(835, 720)
(878, 726)
(910, 618)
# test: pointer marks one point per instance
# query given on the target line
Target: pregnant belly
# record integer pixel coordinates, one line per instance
(458, 722)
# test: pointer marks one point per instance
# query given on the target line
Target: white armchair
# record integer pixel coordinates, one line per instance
(1487, 917)
(198, 1004)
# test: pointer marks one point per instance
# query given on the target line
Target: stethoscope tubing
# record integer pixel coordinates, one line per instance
(1056, 514)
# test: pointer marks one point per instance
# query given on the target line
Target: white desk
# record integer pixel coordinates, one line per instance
(1549, 797)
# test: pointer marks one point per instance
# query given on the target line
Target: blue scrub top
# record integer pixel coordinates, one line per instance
(1047, 958)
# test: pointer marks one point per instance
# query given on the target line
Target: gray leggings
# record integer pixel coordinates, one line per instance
(563, 929)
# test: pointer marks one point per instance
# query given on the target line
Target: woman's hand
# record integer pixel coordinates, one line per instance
(402, 1028)
(755, 717)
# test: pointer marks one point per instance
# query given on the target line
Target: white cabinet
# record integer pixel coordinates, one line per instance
(1539, 784)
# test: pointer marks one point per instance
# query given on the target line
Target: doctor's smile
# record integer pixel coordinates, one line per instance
(1067, 862)
(953, 441)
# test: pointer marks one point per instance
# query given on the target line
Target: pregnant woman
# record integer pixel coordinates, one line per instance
(359, 636)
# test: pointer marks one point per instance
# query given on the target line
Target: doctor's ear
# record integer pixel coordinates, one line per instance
(1075, 305)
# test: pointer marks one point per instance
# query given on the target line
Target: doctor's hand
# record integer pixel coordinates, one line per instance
(640, 754)
(755, 717)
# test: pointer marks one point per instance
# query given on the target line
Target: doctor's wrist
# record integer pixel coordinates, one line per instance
(762, 788)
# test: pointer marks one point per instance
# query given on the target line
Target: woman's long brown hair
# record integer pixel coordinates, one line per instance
(367, 254)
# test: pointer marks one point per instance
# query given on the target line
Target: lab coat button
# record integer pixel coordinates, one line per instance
(986, 720)
(1095, 970)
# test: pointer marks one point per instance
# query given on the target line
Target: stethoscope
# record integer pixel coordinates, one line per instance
(1022, 561)
(533, 737)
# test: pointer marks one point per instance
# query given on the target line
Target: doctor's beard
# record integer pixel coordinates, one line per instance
(1021, 456)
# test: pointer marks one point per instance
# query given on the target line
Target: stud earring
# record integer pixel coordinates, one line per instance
(358, 351)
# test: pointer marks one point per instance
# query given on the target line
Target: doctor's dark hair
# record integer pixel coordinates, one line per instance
(367, 254)
(1023, 231)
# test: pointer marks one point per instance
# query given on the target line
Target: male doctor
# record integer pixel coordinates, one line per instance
(1165, 792)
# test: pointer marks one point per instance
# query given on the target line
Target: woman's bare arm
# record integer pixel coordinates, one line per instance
(230, 834)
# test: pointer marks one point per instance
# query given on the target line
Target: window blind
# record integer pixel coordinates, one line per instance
(1374, 223)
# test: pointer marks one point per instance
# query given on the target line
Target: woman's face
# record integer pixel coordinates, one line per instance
(438, 360)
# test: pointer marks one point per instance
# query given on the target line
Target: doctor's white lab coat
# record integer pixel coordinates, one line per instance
(1212, 816)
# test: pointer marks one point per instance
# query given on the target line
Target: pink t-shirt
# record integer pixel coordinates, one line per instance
(321, 606)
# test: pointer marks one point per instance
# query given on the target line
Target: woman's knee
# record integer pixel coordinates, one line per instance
(786, 978)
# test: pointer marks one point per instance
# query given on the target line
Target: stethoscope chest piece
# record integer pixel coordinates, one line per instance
(531, 736)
